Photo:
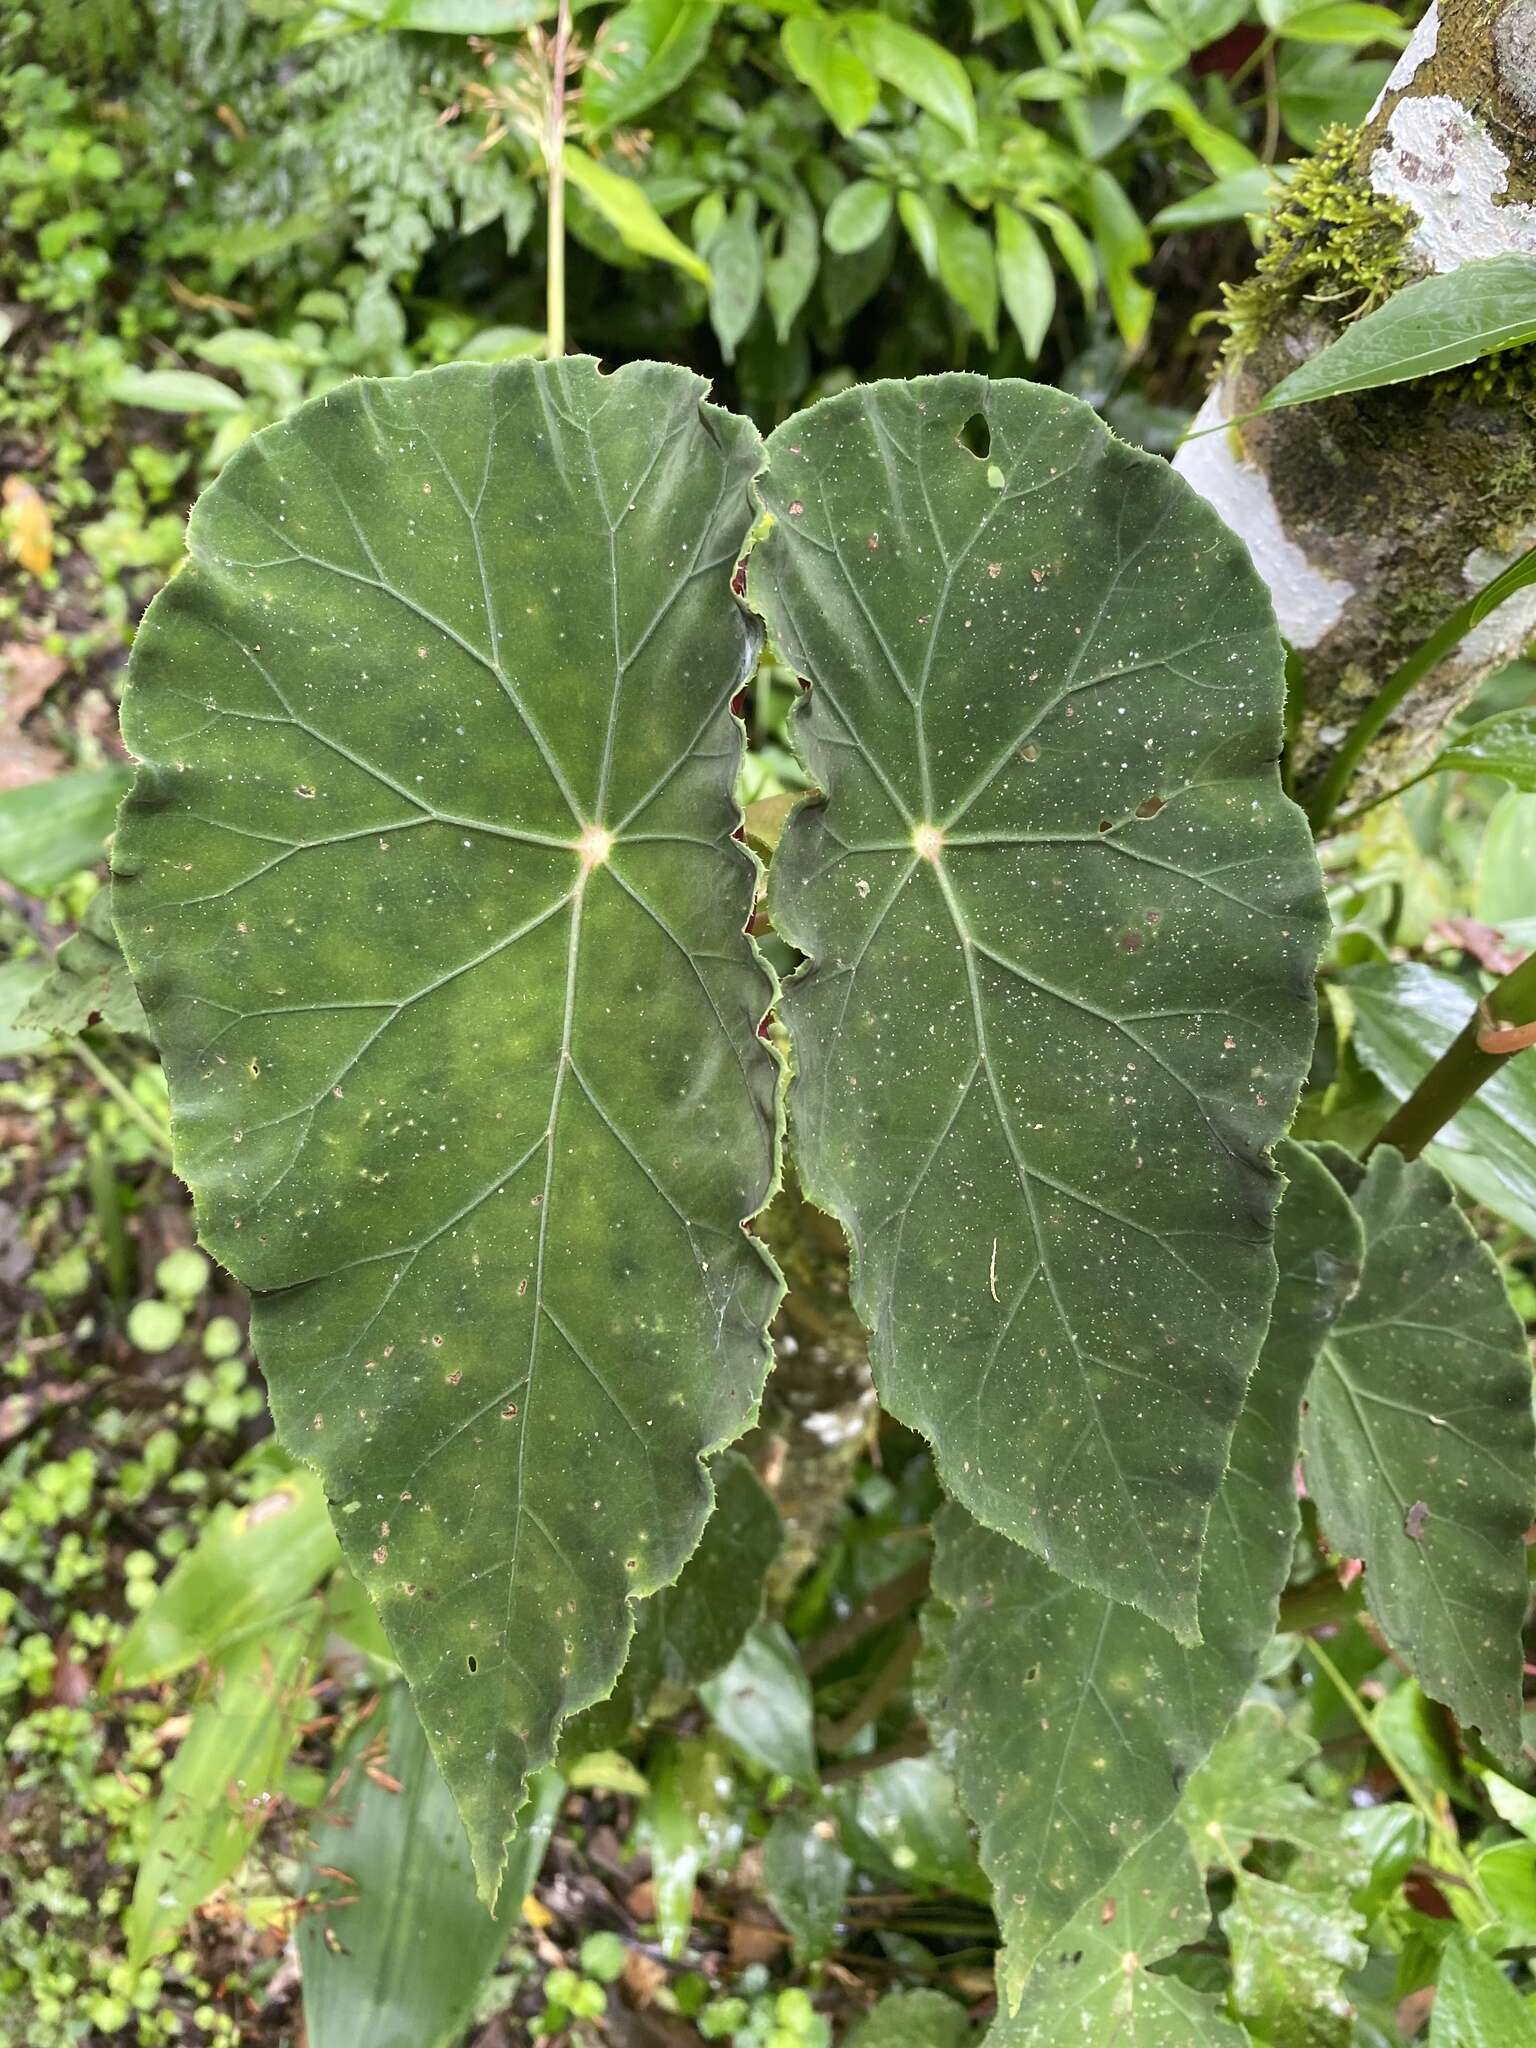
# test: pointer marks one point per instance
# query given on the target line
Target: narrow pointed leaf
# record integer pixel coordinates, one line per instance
(1075, 1722)
(428, 889)
(1096, 1985)
(1061, 924)
(1419, 1447)
(395, 1946)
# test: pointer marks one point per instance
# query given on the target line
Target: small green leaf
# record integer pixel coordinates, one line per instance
(1404, 1018)
(22, 983)
(1437, 324)
(89, 979)
(789, 271)
(1506, 859)
(1476, 2006)
(1123, 244)
(1504, 746)
(806, 1877)
(904, 1818)
(1419, 1447)
(916, 216)
(429, 890)
(1045, 714)
(1096, 1985)
(1236, 197)
(623, 204)
(967, 263)
(50, 830)
(642, 53)
(1246, 1789)
(857, 215)
(1291, 1951)
(1350, 23)
(1025, 275)
(735, 253)
(174, 391)
(249, 1568)
(1323, 86)
(684, 1824)
(916, 65)
(818, 53)
(1076, 1722)
(761, 1702)
(913, 2019)
(1073, 247)
(395, 1946)
(217, 1790)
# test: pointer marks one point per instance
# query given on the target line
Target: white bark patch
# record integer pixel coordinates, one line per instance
(1503, 634)
(1308, 602)
(1418, 53)
(1440, 160)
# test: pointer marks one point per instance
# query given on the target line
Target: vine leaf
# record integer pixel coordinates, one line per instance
(428, 888)
(1096, 1985)
(1061, 924)
(1419, 1446)
(1075, 1722)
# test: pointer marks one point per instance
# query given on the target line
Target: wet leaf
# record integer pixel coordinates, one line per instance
(1476, 2006)
(1061, 925)
(1095, 1984)
(1422, 1401)
(1291, 1951)
(1074, 1722)
(394, 1944)
(428, 887)
(904, 1818)
(645, 51)
(1504, 746)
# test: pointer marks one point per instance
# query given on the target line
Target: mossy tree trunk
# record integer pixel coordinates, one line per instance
(1373, 517)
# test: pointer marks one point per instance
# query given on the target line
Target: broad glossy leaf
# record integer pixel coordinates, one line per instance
(820, 57)
(904, 1817)
(644, 52)
(218, 1789)
(1061, 926)
(1476, 2006)
(428, 888)
(1096, 1986)
(1075, 1722)
(50, 830)
(1291, 1951)
(1437, 324)
(250, 1567)
(1419, 1446)
(89, 980)
(857, 215)
(1504, 746)
(685, 1633)
(1405, 1017)
(395, 1946)
(931, 76)
(761, 1702)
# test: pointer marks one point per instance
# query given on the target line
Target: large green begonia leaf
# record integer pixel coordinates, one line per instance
(1075, 1722)
(1096, 1986)
(1419, 1446)
(1061, 925)
(428, 887)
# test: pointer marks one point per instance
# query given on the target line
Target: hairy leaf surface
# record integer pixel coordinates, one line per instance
(428, 887)
(1075, 1722)
(1419, 1444)
(1095, 1985)
(1061, 925)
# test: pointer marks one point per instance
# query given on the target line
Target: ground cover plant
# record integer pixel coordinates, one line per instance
(883, 1147)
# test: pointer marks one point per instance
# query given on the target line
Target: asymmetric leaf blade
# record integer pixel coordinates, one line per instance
(1419, 1447)
(1074, 1723)
(428, 887)
(1061, 925)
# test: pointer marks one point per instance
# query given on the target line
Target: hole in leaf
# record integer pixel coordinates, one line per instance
(976, 436)
(474, 1665)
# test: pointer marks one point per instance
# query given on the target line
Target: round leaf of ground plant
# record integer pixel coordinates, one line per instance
(1419, 1443)
(1061, 924)
(428, 887)
(1074, 1723)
